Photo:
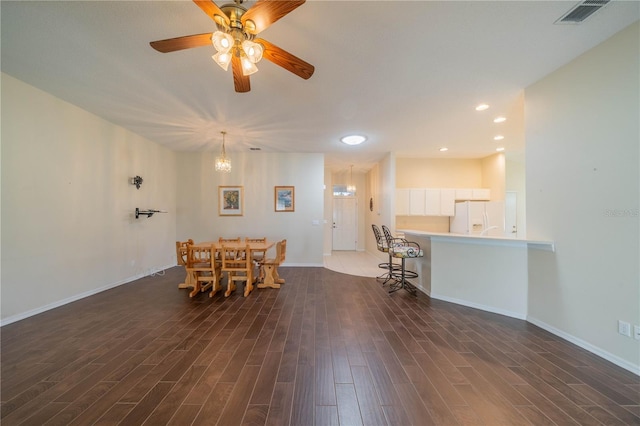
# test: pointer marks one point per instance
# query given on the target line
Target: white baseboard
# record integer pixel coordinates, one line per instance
(480, 306)
(57, 304)
(303, 265)
(634, 368)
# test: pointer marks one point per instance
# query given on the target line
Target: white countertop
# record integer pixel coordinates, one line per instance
(481, 239)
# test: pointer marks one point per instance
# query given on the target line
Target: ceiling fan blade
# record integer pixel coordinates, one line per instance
(265, 12)
(212, 11)
(180, 43)
(286, 60)
(240, 81)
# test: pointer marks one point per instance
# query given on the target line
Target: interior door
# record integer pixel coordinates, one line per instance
(345, 227)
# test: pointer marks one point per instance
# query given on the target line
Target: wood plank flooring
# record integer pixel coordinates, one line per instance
(325, 349)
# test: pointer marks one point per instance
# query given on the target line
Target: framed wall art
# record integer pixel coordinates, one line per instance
(284, 199)
(230, 201)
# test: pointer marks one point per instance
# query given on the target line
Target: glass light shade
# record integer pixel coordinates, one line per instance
(223, 164)
(252, 50)
(223, 59)
(248, 67)
(222, 41)
(351, 188)
(353, 139)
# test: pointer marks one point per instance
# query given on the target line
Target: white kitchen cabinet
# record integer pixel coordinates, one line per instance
(432, 202)
(481, 194)
(476, 194)
(463, 193)
(447, 202)
(402, 202)
(417, 202)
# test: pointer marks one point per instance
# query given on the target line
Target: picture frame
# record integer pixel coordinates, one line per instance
(284, 199)
(230, 200)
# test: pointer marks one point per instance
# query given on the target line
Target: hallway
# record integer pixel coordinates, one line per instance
(358, 263)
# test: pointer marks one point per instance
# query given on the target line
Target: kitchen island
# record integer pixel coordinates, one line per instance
(488, 273)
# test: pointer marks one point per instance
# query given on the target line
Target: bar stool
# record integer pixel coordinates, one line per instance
(381, 244)
(405, 251)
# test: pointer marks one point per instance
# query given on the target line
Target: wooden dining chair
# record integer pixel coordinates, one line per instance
(258, 255)
(269, 268)
(231, 253)
(203, 269)
(238, 268)
(181, 259)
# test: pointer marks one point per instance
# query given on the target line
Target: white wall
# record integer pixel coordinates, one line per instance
(582, 178)
(68, 226)
(258, 173)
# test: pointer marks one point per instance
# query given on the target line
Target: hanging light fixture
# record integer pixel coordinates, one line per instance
(239, 44)
(351, 187)
(223, 164)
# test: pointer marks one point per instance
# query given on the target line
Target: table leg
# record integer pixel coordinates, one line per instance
(188, 281)
(271, 278)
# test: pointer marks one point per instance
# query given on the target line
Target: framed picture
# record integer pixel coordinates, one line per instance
(230, 201)
(284, 198)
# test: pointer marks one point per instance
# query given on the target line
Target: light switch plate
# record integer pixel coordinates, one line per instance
(624, 328)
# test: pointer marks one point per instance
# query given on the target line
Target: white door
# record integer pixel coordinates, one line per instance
(511, 215)
(345, 227)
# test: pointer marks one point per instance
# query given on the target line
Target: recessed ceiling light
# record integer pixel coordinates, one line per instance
(498, 137)
(482, 107)
(500, 149)
(443, 149)
(499, 119)
(353, 139)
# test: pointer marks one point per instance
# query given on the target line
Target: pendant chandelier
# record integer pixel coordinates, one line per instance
(351, 187)
(223, 164)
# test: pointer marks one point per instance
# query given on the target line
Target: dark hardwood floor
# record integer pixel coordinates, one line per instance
(325, 349)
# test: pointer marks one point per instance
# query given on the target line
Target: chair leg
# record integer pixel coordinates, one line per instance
(390, 267)
(402, 282)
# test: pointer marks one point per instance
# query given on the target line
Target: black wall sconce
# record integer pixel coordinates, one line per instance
(137, 181)
(148, 213)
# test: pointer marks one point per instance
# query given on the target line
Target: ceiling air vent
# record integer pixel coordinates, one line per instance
(582, 11)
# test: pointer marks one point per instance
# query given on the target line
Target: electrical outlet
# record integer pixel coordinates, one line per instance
(624, 328)
(636, 332)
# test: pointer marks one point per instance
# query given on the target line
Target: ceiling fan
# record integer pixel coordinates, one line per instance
(236, 42)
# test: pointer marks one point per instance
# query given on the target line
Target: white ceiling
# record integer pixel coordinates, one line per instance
(407, 74)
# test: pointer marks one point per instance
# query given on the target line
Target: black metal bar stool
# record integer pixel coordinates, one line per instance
(405, 251)
(381, 244)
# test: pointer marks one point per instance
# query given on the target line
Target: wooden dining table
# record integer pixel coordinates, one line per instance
(191, 281)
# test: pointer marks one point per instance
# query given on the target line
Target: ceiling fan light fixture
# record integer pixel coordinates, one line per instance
(222, 41)
(253, 50)
(248, 67)
(223, 59)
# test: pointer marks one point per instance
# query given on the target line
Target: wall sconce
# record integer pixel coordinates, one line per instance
(148, 213)
(137, 181)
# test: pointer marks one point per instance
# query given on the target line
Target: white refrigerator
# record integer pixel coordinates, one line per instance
(484, 218)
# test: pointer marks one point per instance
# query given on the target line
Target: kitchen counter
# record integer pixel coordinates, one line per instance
(484, 272)
(481, 239)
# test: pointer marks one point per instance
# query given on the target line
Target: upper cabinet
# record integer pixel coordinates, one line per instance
(402, 202)
(434, 201)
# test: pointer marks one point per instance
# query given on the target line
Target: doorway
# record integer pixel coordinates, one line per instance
(511, 214)
(345, 223)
